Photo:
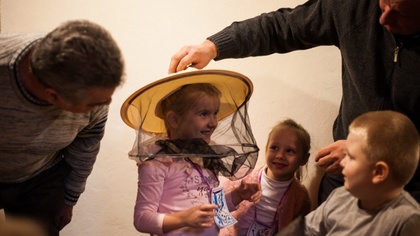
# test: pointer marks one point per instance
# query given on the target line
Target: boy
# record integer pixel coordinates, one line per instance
(382, 154)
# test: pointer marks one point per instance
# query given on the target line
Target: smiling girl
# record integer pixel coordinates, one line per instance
(191, 127)
(283, 197)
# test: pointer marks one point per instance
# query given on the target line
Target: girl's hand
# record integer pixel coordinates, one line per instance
(195, 217)
(247, 191)
(201, 216)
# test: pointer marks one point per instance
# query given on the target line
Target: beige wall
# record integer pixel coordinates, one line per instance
(303, 85)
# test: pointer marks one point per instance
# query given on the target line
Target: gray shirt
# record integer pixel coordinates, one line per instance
(341, 215)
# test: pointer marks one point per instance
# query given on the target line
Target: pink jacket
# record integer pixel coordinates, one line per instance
(295, 203)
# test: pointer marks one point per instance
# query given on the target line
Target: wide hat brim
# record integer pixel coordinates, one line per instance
(138, 110)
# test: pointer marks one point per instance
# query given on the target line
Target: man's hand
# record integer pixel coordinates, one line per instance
(329, 157)
(198, 56)
(66, 214)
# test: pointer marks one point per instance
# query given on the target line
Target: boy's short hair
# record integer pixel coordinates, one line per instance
(390, 137)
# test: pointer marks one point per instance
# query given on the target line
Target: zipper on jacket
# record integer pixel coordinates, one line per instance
(396, 51)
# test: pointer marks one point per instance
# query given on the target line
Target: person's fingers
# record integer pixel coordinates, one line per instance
(322, 153)
(325, 162)
(177, 61)
(208, 207)
(191, 59)
(334, 169)
(208, 223)
(243, 186)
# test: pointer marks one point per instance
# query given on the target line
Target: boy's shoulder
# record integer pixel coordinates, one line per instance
(407, 202)
(339, 194)
(399, 215)
(405, 212)
(340, 215)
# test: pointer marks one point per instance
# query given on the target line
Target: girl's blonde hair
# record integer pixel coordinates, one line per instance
(303, 136)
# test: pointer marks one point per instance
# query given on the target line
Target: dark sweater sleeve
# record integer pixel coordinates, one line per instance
(314, 23)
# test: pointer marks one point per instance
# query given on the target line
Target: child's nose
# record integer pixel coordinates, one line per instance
(213, 121)
(280, 155)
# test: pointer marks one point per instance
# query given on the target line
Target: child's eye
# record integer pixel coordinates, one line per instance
(347, 155)
(275, 148)
(291, 151)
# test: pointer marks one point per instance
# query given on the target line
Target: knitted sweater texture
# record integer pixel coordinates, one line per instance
(35, 135)
(379, 70)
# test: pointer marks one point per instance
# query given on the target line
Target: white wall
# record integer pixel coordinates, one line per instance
(303, 85)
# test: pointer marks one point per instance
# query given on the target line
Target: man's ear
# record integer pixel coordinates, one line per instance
(51, 95)
(380, 172)
(172, 119)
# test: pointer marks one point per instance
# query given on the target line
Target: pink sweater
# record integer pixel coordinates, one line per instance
(296, 202)
(169, 185)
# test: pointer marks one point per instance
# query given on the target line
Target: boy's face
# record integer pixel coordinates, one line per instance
(357, 170)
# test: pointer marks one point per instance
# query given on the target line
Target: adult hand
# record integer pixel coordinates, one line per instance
(197, 56)
(329, 157)
(249, 191)
(65, 216)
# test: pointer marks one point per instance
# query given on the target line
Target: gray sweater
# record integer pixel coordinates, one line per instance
(35, 135)
(379, 71)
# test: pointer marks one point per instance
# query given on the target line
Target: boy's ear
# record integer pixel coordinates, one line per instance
(172, 119)
(380, 172)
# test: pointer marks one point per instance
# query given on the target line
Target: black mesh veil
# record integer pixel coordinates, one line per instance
(232, 151)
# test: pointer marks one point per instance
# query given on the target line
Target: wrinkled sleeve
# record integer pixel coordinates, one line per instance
(151, 180)
(81, 154)
(311, 24)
